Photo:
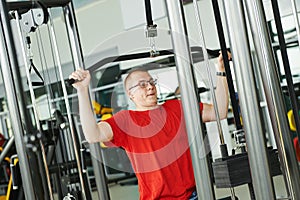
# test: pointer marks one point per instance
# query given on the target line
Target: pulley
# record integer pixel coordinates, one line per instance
(35, 17)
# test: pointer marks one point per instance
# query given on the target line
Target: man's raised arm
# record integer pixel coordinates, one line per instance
(93, 131)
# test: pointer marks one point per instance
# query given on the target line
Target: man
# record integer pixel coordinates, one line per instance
(154, 136)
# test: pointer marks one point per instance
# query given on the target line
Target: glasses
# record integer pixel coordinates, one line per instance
(144, 83)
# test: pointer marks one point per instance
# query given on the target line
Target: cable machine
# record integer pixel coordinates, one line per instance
(256, 144)
(34, 14)
(38, 13)
(16, 105)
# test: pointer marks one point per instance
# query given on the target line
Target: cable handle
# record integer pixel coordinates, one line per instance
(14, 172)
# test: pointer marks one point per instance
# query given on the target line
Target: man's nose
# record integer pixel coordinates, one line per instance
(150, 86)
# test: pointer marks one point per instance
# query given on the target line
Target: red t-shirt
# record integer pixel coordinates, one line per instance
(157, 146)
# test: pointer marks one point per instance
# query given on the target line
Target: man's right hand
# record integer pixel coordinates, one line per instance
(82, 78)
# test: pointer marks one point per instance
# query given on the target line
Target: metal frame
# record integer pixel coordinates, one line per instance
(274, 96)
(256, 142)
(14, 89)
(189, 96)
(33, 99)
(23, 7)
(258, 162)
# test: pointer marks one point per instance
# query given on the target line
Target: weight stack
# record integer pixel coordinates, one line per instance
(234, 170)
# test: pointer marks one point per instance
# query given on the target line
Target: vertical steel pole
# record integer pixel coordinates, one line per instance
(68, 108)
(223, 145)
(286, 65)
(35, 111)
(97, 161)
(274, 96)
(15, 99)
(189, 99)
(255, 139)
(102, 188)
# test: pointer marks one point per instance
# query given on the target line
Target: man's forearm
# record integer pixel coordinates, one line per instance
(222, 96)
(222, 89)
(87, 117)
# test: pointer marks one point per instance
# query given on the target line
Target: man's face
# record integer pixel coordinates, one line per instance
(141, 91)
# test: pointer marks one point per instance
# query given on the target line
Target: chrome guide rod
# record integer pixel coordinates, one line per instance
(274, 96)
(210, 80)
(286, 65)
(99, 172)
(13, 88)
(189, 99)
(33, 100)
(68, 108)
(255, 139)
(76, 50)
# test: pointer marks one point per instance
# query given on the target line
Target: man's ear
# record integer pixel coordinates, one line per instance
(131, 97)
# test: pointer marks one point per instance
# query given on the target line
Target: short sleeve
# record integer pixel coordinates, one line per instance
(119, 138)
(201, 106)
(176, 102)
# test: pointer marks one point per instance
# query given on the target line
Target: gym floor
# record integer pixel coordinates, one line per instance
(130, 192)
